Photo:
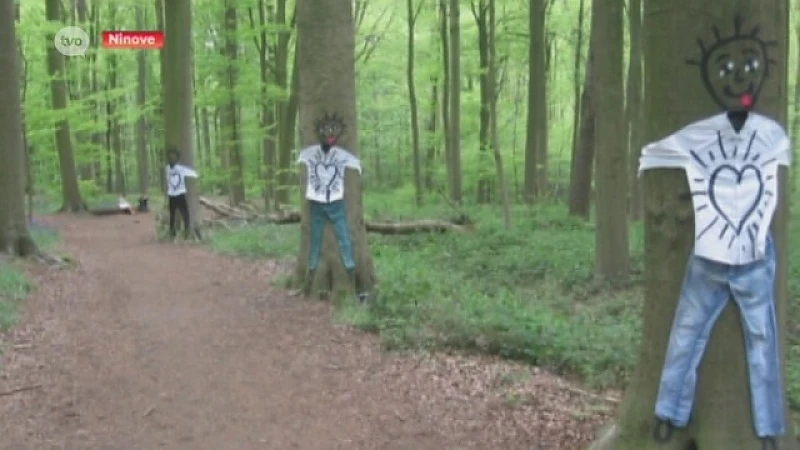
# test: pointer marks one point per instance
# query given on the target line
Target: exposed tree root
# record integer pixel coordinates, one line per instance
(228, 214)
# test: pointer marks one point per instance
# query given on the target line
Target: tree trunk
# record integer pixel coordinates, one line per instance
(446, 124)
(142, 160)
(14, 236)
(413, 13)
(576, 111)
(286, 107)
(231, 125)
(160, 107)
(611, 243)
(178, 94)
(582, 164)
(536, 137)
(484, 184)
(675, 96)
(455, 101)
(268, 116)
(114, 139)
(72, 201)
(433, 141)
(795, 129)
(633, 107)
(326, 33)
(493, 95)
(94, 105)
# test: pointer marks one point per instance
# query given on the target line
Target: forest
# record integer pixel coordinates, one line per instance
(500, 210)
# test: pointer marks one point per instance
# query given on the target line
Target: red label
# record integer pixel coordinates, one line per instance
(137, 40)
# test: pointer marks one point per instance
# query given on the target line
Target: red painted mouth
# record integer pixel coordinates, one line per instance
(746, 100)
(330, 140)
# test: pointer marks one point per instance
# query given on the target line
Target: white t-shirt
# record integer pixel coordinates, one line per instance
(326, 172)
(176, 182)
(733, 181)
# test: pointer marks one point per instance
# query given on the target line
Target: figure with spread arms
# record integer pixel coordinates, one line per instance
(731, 161)
(325, 167)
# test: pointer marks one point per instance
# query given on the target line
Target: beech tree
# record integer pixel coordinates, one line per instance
(178, 94)
(675, 96)
(326, 33)
(14, 236)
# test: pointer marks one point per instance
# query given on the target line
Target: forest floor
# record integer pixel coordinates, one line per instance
(146, 345)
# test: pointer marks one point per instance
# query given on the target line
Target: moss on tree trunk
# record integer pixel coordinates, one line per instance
(326, 68)
(674, 96)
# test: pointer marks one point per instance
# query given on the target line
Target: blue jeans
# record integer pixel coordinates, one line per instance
(335, 213)
(706, 289)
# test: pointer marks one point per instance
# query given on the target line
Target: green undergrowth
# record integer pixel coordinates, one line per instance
(14, 284)
(526, 293)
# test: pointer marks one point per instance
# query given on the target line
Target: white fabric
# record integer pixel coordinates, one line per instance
(326, 172)
(733, 180)
(176, 179)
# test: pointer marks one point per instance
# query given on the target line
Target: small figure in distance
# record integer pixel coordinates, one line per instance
(176, 191)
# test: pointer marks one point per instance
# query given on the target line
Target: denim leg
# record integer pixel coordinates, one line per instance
(704, 295)
(338, 216)
(752, 287)
(317, 225)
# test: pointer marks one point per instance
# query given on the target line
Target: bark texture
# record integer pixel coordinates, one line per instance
(674, 96)
(326, 33)
(14, 237)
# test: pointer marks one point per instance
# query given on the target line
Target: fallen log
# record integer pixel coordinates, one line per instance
(414, 226)
(294, 216)
(120, 207)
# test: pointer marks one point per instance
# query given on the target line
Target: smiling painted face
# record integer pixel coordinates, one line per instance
(734, 68)
(329, 128)
(735, 72)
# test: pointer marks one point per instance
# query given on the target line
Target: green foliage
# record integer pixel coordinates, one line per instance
(526, 294)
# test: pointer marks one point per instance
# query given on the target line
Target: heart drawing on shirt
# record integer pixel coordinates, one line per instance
(747, 174)
(175, 180)
(326, 174)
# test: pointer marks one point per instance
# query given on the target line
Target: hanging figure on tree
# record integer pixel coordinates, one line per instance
(731, 161)
(325, 168)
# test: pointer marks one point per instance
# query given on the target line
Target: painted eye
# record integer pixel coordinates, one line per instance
(751, 66)
(726, 69)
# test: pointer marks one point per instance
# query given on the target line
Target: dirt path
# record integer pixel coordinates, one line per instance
(150, 346)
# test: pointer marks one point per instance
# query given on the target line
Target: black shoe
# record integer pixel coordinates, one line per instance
(663, 431)
(769, 443)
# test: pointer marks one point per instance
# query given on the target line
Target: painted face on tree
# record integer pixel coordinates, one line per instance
(734, 68)
(329, 129)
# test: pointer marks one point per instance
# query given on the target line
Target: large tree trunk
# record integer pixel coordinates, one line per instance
(611, 243)
(142, 160)
(326, 33)
(455, 101)
(675, 96)
(14, 236)
(72, 201)
(536, 137)
(633, 107)
(178, 93)
(413, 13)
(231, 123)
